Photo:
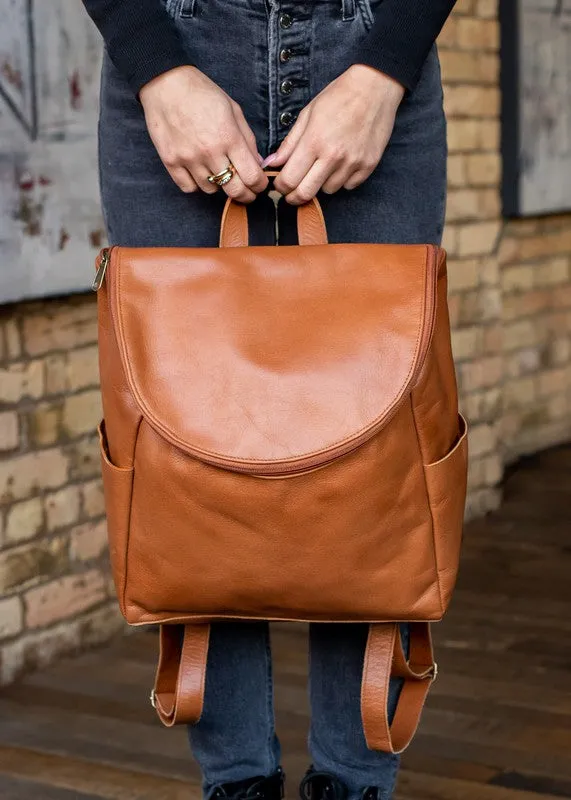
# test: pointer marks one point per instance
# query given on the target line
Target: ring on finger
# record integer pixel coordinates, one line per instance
(221, 178)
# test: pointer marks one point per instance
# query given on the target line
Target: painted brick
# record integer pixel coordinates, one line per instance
(45, 424)
(62, 598)
(472, 101)
(81, 413)
(69, 326)
(19, 381)
(480, 374)
(84, 459)
(83, 368)
(478, 34)
(23, 475)
(9, 430)
(31, 562)
(484, 405)
(62, 508)
(478, 239)
(93, 499)
(37, 649)
(88, 541)
(467, 342)
(56, 374)
(469, 67)
(24, 520)
(520, 393)
(483, 169)
(482, 440)
(463, 275)
(12, 338)
(553, 381)
(552, 273)
(518, 278)
(457, 171)
(488, 9)
(11, 617)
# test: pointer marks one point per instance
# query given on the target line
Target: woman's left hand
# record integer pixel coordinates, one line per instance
(339, 137)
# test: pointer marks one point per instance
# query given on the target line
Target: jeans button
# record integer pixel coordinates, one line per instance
(286, 20)
(286, 87)
(285, 55)
(286, 118)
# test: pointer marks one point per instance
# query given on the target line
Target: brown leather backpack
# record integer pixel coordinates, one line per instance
(281, 441)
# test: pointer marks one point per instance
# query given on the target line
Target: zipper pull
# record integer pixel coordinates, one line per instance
(101, 270)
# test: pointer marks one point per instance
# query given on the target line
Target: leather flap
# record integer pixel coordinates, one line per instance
(271, 360)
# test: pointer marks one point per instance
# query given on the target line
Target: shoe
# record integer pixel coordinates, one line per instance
(258, 788)
(322, 786)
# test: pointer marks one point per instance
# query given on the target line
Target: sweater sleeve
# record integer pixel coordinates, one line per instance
(141, 39)
(401, 37)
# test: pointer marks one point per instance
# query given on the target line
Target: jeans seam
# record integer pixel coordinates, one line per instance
(271, 719)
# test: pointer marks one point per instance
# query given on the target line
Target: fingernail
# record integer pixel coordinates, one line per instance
(269, 160)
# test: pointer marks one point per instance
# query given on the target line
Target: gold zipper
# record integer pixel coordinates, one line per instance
(101, 269)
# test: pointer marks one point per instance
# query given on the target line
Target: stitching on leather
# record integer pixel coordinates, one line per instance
(128, 535)
(204, 454)
(432, 536)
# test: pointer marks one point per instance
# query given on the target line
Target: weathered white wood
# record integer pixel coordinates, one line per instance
(50, 222)
(545, 105)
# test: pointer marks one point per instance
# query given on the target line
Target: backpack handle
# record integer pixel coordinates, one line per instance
(234, 226)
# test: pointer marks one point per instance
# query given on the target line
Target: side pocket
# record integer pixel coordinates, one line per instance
(118, 488)
(446, 482)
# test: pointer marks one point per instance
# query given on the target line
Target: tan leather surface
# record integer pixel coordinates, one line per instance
(384, 658)
(263, 380)
(282, 441)
(178, 696)
(234, 227)
(118, 486)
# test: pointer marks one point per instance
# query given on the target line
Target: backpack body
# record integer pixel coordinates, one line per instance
(281, 437)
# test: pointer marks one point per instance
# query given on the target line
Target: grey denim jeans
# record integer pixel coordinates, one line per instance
(274, 57)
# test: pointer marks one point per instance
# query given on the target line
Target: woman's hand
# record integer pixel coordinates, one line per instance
(197, 129)
(338, 138)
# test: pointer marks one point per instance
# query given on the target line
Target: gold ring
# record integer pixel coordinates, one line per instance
(221, 178)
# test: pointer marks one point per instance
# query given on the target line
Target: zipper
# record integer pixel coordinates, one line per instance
(101, 269)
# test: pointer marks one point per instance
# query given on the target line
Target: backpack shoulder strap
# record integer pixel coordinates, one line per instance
(178, 695)
(384, 658)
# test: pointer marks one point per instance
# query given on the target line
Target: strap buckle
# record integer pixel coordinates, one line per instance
(434, 672)
(153, 699)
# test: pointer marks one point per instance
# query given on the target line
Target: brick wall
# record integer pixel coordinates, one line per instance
(55, 589)
(510, 301)
(510, 281)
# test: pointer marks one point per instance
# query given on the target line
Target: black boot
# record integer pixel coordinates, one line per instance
(321, 786)
(324, 786)
(258, 788)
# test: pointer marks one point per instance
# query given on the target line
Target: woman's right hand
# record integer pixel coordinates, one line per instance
(197, 129)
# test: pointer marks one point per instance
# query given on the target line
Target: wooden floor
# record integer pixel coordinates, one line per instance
(497, 727)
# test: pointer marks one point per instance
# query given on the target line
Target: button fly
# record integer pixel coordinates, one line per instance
(285, 55)
(286, 118)
(286, 20)
(286, 87)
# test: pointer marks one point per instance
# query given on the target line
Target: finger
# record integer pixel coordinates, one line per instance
(296, 168)
(311, 183)
(337, 179)
(250, 172)
(285, 150)
(183, 179)
(357, 178)
(247, 132)
(235, 187)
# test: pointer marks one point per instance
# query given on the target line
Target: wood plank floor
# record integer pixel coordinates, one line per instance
(497, 726)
